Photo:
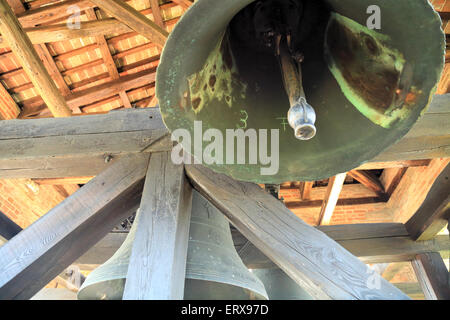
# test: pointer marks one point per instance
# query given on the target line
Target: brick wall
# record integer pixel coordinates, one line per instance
(24, 201)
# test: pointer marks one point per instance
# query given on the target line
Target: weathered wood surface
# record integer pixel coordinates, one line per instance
(334, 188)
(432, 275)
(40, 152)
(45, 148)
(42, 251)
(428, 139)
(135, 20)
(316, 262)
(157, 265)
(8, 229)
(433, 214)
(377, 243)
(25, 53)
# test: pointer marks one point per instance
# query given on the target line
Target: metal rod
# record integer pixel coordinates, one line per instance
(301, 115)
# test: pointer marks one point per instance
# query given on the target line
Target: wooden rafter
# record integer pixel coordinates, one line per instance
(69, 229)
(157, 271)
(23, 49)
(331, 198)
(305, 189)
(432, 275)
(55, 156)
(108, 60)
(369, 180)
(134, 19)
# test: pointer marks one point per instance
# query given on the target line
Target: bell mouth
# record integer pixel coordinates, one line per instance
(305, 132)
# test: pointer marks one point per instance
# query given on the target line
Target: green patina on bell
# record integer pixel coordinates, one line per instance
(367, 87)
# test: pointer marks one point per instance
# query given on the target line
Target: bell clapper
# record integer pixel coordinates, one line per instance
(301, 115)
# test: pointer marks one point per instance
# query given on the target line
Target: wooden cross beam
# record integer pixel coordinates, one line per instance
(42, 251)
(134, 19)
(24, 51)
(434, 212)
(432, 275)
(157, 265)
(77, 146)
(317, 263)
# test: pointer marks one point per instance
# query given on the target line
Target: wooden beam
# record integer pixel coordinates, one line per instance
(433, 214)
(307, 255)
(108, 60)
(8, 229)
(393, 164)
(156, 11)
(62, 181)
(432, 275)
(305, 189)
(157, 265)
(134, 19)
(386, 249)
(368, 180)
(8, 107)
(96, 93)
(331, 198)
(60, 32)
(23, 49)
(428, 139)
(42, 251)
(185, 4)
(51, 12)
(390, 179)
(46, 155)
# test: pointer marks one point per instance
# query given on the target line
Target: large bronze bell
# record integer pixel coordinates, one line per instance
(315, 70)
(280, 286)
(213, 268)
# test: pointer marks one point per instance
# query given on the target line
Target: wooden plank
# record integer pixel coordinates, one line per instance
(307, 255)
(331, 198)
(393, 164)
(8, 229)
(428, 139)
(51, 12)
(58, 181)
(23, 49)
(8, 107)
(369, 250)
(185, 4)
(369, 180)
(60, 32)
(108, 60)
(433, 214)
(156, 11)
(72, 158)
(432, 275)
(158, 259)
(134, 19)
(42, 251)
(305, 189)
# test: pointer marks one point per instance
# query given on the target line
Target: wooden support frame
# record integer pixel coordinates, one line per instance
(134, 19)
(368, 180)
(132, 131)
(23, 49)
(434, 212)
(43, 250)
(305, 190)
(157, 265)
(335, 185)
(432, 275)
(305, 254)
